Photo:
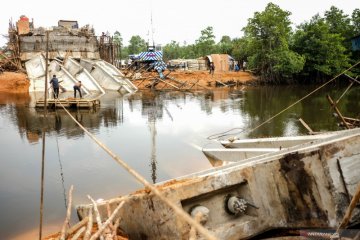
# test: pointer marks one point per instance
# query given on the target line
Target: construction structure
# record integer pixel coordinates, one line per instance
(75, 54)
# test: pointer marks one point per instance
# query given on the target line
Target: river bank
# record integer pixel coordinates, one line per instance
(13, 82)
(186, 80)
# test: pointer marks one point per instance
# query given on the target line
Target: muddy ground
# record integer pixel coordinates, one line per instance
(13, 82)
(201, 78)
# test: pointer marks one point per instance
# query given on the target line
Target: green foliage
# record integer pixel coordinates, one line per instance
(119, 41)
(339, 22)
(205, 44)
(240, 48)
(137, 45)
(324, 51)
(172, 50)
(117, 38)
(355, 19)
(318, 49)
(267, 37)
(225, 45)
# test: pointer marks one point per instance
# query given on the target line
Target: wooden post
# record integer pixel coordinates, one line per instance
(306, 126)
(337, 111)
(46, 70)
(355, 199)
(43, 142)
(167, 83)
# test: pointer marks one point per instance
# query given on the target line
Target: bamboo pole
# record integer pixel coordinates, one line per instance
(177, 210)
(347, 89)
(77, 226)
(306, 126)
(109, 214)
(107, 222)
(89, 225)
(355, 199)
(116, 225)
(97, 216)
(159, 79)
(68, 214)
(338, 111)
(221, 83)
(78, 234)
(43, 142)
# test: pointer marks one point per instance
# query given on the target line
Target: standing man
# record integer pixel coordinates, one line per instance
(77, 87)
(55, 85)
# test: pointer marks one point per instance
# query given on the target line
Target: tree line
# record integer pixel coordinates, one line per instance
(314, 51)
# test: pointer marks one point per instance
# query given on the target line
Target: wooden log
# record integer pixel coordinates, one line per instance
(89, 225)
(97, 217)
(109, 214)
(107, 222)
(306, 126)
(347, 89)
(78, 234)
(77, 226)
(116, 225)
(221, 83)
(159, 79)
(337, 111)
(349, 210)
(352, 119)
(68, 214)
(353, 79)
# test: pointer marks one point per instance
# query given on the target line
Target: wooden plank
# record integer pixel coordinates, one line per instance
(306, 126)
(338, 111)
(167, 83)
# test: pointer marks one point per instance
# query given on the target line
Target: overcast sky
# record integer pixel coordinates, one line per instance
(172, 20)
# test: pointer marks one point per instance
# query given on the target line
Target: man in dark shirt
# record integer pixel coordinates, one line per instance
(55, 84)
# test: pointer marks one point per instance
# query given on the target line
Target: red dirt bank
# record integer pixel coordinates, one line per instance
(12, 82)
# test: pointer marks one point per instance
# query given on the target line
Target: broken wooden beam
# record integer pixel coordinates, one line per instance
(337, 111)
(306, 126)
(167, 83)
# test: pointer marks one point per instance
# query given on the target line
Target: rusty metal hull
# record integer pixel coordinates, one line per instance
(307, 186)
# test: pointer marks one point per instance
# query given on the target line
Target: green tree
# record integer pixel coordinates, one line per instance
(355, 19)
(240, 48)
(137, 45)
(324, 51)
(267, 35)
(225, 45)
(339, 22)
(118, 40)
(205, 44)
(172, 50)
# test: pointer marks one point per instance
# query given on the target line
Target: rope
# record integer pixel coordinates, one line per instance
(60, 164)
(222, 134)
(172, 205)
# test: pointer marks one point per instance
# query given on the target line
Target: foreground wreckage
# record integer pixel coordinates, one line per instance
(304, 186)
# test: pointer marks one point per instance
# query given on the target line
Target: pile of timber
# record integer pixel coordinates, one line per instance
(92, 226)
(150, 80)
(10, 64)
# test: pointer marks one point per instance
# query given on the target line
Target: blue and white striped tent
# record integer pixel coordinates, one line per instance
(150, 56)
(160, 65)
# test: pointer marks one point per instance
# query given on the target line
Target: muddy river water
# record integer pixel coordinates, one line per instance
(159, 135)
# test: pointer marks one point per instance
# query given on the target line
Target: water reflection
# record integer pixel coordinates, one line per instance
(155, 133)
